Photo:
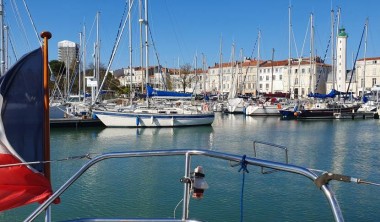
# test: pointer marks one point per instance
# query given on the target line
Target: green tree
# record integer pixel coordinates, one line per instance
(184, 76)
(57, 71)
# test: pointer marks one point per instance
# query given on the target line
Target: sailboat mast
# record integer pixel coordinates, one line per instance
(311, 54)
(79, 67)
(6, 36)
(221, 68)
(204, 73)
(84, 62)
(130, 49)
(195, 72)
(332, 48)
(258, 63)
(2, 44)
(146, 47)
(97, 52)
(141, 21)
(233, 74)
(240, 84)
(271, 88)
(365, 54)
(289, 51)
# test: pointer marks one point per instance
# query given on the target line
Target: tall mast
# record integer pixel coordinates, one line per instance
(233, 74)
(232, 90)
(258, 63)
(6, 35)
(130, 50)
(311, 53)
(271, 88)
(2, 43)
(97, 52)
(332, 48)
(289, 56)
(241, 84)
(195, 71)
(141, 21)
(146, 47)
(79, 68)
(221, 68)
(365, 53)
(84, 62)
(204, 72)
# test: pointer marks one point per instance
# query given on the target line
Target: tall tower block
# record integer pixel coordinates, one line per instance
(341, 60)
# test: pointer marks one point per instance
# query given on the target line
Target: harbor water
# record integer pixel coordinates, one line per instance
(151, 187)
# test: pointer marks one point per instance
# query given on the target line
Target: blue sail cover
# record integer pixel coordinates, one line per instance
(332, 94)
(159, 93)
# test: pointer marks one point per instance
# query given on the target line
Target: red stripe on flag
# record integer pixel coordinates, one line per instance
(19, 185)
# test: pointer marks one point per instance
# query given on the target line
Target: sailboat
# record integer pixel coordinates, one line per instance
(164, 114)
(234, 103)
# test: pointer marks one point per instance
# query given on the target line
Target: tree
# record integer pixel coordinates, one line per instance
(184, 76)
(58, 68)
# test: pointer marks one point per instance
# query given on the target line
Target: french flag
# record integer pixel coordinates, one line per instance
(22, 140)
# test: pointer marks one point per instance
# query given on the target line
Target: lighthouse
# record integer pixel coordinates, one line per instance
(341, 60)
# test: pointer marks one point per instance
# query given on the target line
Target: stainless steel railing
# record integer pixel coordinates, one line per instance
(335, 208)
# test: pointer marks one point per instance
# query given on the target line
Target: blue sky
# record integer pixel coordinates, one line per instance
(183, 29)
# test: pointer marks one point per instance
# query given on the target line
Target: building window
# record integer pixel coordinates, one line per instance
(280, 77)
(267, 86)
(261, 78)
(274, 77)
(261, 86)
(373, 81)
(267, 78)
(296, 71)
(296, 81)
(361, 82)
(303, 71)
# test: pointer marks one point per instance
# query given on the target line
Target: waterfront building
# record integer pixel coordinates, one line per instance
(368, 73)
(222, 78)
(305, 76)
(242, 75)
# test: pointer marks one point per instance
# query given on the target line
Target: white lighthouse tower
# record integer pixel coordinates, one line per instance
(341, 60)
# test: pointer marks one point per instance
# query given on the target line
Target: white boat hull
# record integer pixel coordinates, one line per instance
(131, 119)
(254, 110)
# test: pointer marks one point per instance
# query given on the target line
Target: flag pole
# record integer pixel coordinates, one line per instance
(46, 36)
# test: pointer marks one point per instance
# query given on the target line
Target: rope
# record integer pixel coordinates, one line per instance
(243, 167)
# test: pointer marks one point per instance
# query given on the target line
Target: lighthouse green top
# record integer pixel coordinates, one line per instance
(342, 32)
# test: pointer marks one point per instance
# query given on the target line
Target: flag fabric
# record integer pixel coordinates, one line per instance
(22, 133)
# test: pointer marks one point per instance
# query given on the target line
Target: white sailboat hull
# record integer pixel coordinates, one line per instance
(133, 119)
(236, 105)
(262, 110)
